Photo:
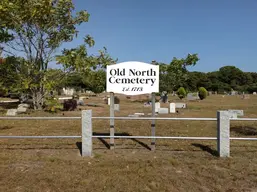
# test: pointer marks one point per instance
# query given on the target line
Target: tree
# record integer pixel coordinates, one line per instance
(174, 75)
(36, 29)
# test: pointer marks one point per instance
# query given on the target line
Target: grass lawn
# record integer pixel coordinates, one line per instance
(175, 165)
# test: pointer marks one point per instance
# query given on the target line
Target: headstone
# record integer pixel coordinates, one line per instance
(172, 108)
(133, 115)
(23, 105)
(163, 111)
(254, 93)
(21, 110)
(238, 112)
(157, 106)
(139, 114)
(233, 93)
(11, 112)
(180, 105)
(192, 96)
(109, 100)
(80, 102)
(116, 107)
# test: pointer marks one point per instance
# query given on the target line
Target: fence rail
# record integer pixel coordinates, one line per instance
(126, 118)
(223, 129)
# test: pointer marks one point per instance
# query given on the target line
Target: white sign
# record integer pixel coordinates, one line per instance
(132, 78)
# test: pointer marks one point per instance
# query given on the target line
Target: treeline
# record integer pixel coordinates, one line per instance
(225, 79)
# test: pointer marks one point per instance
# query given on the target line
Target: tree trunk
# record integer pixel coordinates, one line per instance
(38, 98)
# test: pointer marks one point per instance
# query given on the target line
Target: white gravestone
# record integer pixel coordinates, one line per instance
(237, 112)
(23, 105)
(180, 105)
(11, 112)
(172, 108)
(116, 107)
(109, 100)
(254, 93)
(21, 110)
(157, 106)
(163, 111)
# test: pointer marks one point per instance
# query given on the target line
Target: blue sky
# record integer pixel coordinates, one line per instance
(222, 32)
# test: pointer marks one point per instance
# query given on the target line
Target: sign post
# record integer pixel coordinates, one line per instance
(153, 122)
(132, 78)
(112, 131)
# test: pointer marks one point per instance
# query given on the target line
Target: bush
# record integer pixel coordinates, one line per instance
(181, 93)
(52, 105)
(202, 93)
(70, 105)
(116, 100)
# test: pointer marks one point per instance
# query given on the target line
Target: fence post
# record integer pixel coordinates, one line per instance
(86, 133)
(223, 133)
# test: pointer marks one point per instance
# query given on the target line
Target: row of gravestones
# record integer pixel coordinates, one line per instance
(22, 108)
(190, 97)
(172, 109)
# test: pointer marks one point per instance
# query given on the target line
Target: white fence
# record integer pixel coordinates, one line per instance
(223, 130)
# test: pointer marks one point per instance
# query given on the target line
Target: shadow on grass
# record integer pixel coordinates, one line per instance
(248, 131)
(5, 127)
(107, 145)
(206, 148)
(79, 146)
(11, 105)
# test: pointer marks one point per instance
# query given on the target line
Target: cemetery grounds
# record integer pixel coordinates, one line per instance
(175, 165)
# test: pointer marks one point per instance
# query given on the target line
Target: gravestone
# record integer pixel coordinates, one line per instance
(23, 105)
(11, 112)
(163, 111)
(109, 100)
(191, 97)
(157, 106)
(21, 110)
(172, 108)
(237, 112)
(80, 102)
(254, 93)
(139, 114)
(116, 107)
(133, 115)
(180, 105)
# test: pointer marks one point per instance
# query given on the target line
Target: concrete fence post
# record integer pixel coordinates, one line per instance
(86, 133)
(223, 133)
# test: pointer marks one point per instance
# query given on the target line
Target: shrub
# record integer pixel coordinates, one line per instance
(116, 100)
(52, 105)
(202, 93)
(181, 93)
(70, 105)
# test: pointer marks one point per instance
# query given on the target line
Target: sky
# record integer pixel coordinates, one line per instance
(221, 32)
